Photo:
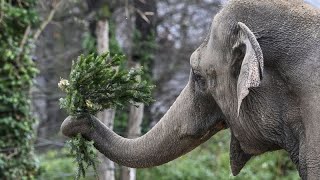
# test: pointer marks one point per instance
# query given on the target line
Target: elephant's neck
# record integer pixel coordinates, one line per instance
(269, 117)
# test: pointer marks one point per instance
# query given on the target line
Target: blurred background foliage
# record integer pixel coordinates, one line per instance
(40, 38)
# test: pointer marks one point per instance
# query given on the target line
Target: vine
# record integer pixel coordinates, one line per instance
(17, 71)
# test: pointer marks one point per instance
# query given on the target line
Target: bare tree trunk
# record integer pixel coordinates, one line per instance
(135, 120)
(145, 25)
(133, 131)
(184, 23)
(106, 167)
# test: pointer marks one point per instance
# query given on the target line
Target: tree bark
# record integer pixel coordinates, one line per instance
(106, 167)
(145, 25)
(133, 131)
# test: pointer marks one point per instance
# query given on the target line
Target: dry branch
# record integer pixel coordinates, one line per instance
(47, 20)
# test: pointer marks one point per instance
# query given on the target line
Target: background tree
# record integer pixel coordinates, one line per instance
(141, 54)
(106, 167)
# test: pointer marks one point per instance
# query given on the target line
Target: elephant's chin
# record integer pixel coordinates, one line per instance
(238, 158)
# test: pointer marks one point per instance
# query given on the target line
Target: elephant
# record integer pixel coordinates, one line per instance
(256, 74)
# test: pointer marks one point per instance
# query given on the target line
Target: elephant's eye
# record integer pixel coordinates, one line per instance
(200, 80)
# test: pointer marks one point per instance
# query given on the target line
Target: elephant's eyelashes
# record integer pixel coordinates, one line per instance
(200, 81)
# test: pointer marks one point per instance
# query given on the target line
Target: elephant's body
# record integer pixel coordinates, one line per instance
(257, 73)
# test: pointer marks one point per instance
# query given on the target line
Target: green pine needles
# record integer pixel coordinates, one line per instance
(99, 82)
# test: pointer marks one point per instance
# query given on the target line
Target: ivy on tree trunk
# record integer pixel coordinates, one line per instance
(17, 71)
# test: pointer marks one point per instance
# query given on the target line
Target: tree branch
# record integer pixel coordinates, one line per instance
(21, 46)
(1, 11)
(47, 21)
(25, 37)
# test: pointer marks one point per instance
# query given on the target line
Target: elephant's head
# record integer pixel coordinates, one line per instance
(227, 65)
(247, 84)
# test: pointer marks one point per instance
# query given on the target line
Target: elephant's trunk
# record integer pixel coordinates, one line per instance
(187, 124)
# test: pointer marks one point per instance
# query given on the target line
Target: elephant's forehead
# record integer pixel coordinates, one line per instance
(220, 29)
(195, 59)
(202, 59)
(207, 53)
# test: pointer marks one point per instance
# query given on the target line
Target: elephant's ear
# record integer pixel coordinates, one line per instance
(252, 64)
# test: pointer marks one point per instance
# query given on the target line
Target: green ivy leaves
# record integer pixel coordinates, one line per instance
(16, 73)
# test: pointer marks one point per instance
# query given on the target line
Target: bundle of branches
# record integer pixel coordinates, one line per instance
(99, 82)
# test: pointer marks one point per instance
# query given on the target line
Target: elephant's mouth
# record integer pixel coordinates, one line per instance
(221, 125)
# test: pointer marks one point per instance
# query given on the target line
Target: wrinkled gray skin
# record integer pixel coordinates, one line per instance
(257, 73)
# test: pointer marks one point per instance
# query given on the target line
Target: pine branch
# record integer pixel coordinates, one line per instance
(47, 20)
(98, 82)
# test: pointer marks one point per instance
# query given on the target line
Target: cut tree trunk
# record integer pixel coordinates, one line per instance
(106, 167)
